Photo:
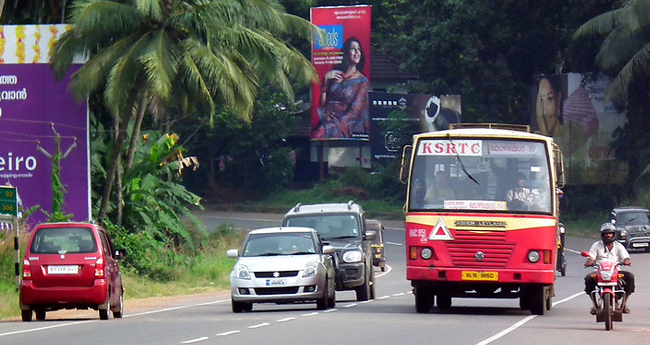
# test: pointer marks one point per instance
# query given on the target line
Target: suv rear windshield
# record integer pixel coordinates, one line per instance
(63, 240)
(329, 227)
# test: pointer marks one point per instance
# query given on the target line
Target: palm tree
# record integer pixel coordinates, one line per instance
(148, 54)
(625, 52)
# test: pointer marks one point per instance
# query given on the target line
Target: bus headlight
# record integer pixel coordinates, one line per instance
(533, 256)
(426, 253)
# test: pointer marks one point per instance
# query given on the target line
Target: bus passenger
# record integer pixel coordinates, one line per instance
(520, 197)
(419, 191)
(441, 191)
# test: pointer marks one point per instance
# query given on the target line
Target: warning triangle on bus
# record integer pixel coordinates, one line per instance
(440, 232)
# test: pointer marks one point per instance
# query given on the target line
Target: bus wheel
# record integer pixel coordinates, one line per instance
(537, 301)
(423, 299)
(443, 301)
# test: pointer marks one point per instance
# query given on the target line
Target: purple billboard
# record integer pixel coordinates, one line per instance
(39, 117)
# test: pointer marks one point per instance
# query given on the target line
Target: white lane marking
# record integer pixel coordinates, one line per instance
(176, 308)
(572, 250)
(46, 328)
(194, 340)
(383, 297)
(350, 305)
(399, 294)
(310, 314)
(227, 333)
(394, 243)
(523, 322)
(263, 324)
(329, 310)
(286, 319)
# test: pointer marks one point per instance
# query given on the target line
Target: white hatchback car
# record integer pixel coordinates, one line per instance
(282, 265)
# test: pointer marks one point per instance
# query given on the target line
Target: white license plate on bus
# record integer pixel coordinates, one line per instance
(276, 282)
(639, 245)
(483, 276)
(63, 269)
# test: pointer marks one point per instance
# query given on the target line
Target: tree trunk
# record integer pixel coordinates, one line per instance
(119, 184)
(135, 135)
(114, 165)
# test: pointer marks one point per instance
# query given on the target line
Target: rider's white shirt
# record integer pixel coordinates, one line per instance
(599, 252)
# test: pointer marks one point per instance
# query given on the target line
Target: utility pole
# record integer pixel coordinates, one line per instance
(58, 190)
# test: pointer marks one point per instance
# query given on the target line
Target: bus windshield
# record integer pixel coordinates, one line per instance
(480, 175)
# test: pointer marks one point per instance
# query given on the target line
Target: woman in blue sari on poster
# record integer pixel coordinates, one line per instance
(343, 111)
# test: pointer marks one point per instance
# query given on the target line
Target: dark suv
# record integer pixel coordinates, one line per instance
(632, 226)
(343, 226)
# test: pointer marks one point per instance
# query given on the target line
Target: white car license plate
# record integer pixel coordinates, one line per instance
(276, 282)
(67, 269)
(639, 245)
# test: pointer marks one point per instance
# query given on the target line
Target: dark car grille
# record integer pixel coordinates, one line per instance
(493, 245)
(277, 290)
(279, 274)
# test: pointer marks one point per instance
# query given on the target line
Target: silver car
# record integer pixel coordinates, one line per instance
(282, 265)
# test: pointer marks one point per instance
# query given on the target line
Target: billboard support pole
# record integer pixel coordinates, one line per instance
(320, 159)
(360, 155)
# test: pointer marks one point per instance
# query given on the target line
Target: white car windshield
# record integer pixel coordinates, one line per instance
(279, 244)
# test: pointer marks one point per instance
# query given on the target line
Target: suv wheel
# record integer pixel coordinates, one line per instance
(363, 291)
(372, 282)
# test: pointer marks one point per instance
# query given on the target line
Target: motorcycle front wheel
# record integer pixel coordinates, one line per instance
(607, 310)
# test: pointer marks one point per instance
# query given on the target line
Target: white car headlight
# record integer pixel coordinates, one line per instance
(242, 272)
(353, 256)
(310, 270)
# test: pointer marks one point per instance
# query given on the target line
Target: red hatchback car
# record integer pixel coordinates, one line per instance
(70, 266)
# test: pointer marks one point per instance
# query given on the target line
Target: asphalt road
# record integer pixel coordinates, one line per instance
(389, 319)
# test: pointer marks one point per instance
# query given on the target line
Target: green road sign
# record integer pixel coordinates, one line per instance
(8, 205)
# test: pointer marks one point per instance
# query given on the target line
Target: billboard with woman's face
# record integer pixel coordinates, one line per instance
(572, 109)
(342, 59)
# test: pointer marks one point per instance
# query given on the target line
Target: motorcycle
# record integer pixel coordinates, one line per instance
(608, 297)
(561, 259)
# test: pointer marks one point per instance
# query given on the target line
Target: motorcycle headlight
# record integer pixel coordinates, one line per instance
(310, 270)
(242, 272)
(352, 256)
(606, 275)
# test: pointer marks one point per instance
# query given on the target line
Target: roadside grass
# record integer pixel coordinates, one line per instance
(586, 225)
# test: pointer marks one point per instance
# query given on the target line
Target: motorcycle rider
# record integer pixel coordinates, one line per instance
(609, 249)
